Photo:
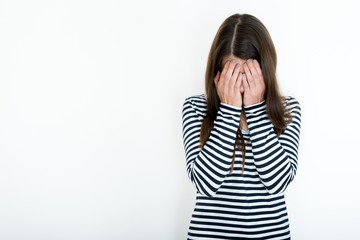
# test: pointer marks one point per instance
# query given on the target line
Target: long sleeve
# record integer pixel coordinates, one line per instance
(208, 167)
(275, 158)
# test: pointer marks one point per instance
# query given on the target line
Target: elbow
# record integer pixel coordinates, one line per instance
(204, 191)
(275, 191)
(208, 194)
(203, 186)
(278, 184)
(280, 187)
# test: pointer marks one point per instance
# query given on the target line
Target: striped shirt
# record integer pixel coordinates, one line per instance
(235, 206)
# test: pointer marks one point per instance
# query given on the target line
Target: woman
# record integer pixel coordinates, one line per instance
(241, 138)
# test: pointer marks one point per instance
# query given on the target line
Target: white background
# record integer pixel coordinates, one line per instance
(91, 94)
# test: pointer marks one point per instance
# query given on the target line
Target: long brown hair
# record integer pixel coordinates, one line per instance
(244, 36)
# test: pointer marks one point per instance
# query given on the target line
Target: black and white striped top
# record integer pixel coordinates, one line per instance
(235, 206)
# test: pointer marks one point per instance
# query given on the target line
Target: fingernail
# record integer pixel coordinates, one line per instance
(254, 60)
(245, 64)
(233, 61)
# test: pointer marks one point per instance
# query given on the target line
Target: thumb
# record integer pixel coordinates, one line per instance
(216, 79)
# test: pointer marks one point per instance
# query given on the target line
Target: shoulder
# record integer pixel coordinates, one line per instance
(196, 99)
(291, 100)
(195, 104)
(293, 105)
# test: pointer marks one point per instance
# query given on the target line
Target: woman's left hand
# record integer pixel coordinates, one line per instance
(254, 84)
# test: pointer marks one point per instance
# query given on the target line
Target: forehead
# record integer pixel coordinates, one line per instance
(237, 60)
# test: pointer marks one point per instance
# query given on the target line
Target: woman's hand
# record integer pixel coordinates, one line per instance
(228, 84)
(254, 84)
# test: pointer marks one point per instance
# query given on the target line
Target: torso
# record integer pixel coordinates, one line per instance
(242, 199)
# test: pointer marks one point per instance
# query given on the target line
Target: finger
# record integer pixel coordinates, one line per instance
(257, 67)
(238, 81)
(235, 76)
(223, 72)
(252, 67)
(259, 71)
(245, 83)
(229, 74)
(249, 76)
(226, 67)
(230, 69)
(253, 70)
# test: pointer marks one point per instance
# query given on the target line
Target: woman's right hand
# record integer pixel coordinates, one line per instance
(228, 84)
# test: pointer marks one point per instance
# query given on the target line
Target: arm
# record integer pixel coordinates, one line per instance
(208, 167)
(275, 159)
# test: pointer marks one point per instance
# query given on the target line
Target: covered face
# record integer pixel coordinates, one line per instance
(237, 61)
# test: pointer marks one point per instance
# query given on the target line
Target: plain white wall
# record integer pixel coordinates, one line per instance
(90, 114)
